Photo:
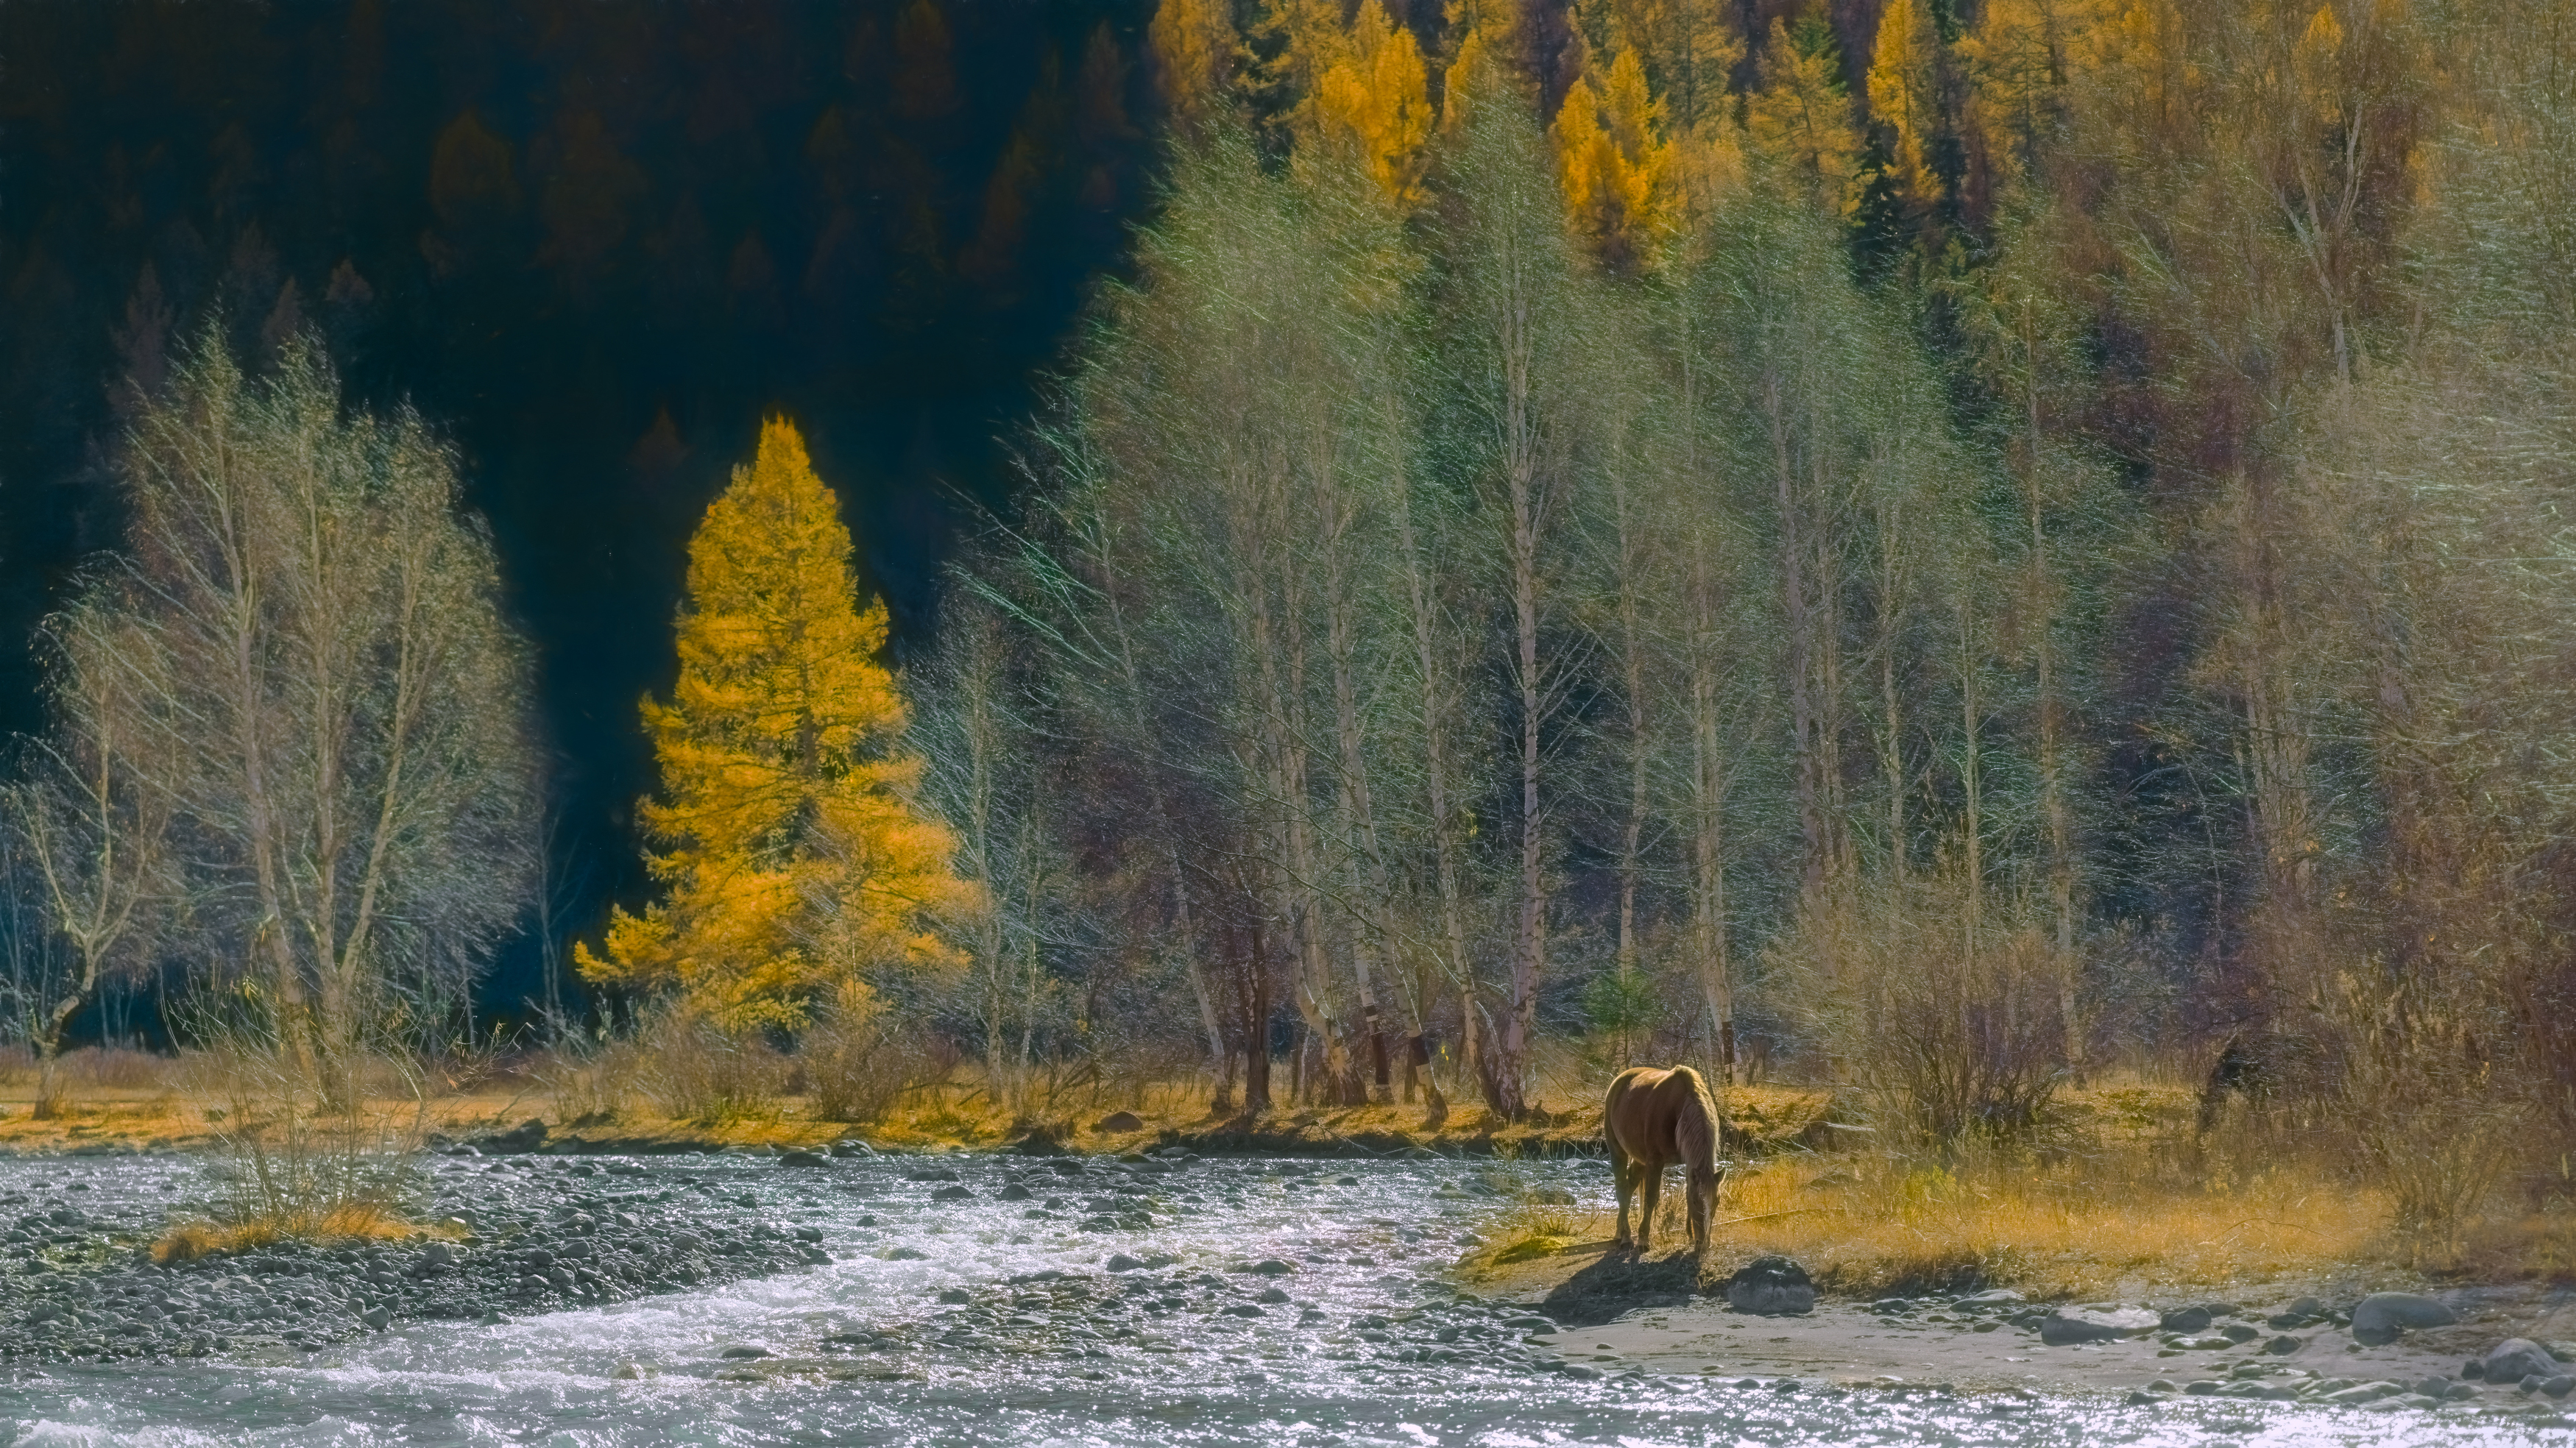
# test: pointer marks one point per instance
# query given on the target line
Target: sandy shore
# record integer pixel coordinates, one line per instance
(1659, 1316)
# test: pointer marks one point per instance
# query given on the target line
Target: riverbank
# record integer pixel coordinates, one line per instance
(101, 1121)
(2286, 1339)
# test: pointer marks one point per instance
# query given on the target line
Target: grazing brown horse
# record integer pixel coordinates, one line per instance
(1654, 1119)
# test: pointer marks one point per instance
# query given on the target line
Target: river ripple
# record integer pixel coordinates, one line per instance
(1038, 1344)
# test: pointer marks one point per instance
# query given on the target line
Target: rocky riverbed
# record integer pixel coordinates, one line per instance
(804, 1297)
(522, 1234)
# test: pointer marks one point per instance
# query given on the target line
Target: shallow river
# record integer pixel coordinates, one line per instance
(1369, 1347)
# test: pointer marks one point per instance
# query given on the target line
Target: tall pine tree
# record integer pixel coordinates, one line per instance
(794, 861)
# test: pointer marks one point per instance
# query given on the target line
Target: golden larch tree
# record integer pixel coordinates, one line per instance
(1194, 46)
(794, 863)
(1904, 94)
(1614, 163)
(1800, 120)
(1374, 93)
(2021, 58)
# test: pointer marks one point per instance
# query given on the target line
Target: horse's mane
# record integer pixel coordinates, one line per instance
(1700, 1103)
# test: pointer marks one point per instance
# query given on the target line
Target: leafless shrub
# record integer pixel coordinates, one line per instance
(856, 1069)
(1949, 1021)
(692, 1071)
(592, 1080)
(114, 1068)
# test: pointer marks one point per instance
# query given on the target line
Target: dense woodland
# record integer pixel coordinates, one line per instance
(1956, 550)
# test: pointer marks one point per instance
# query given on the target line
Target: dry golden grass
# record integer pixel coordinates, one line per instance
(2076, 1227)
(2120, 1199)
(345, 1223)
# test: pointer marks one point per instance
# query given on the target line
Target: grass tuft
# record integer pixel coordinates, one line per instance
(353, 1222)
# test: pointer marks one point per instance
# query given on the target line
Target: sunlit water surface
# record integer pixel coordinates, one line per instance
(653, 1371)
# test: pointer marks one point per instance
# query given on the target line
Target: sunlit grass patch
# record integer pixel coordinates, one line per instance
(347, 1222)
(2077, 1225)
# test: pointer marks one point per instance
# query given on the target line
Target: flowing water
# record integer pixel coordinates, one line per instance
(1371, 1346)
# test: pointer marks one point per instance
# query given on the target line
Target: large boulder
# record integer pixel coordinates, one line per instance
(2380, 1317)
(2069, 1325)
(1771, 1287)
(1118, 1121)
(2516, 1358)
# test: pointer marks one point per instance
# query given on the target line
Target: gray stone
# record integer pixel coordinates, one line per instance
(2185, 1319)
(2069, 1325)
(803, 1158)
(904, 1254)
(1992, 1300)
(1771, 1287)
(1119, 1121)
(2516, 1358)
(1271, 1267)
(745, 1351)
(2558, 1386)
(951, 1194)
(378, 1318)
(2284, 1345)
(2380, 1317)
(1015, 1193)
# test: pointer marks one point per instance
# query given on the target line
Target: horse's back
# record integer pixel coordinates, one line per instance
(1647, 1103)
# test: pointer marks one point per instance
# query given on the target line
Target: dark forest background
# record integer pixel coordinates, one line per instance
(591, 243)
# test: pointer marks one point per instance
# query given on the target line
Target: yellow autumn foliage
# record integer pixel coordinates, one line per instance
(1488, 41)
(2022, 57)
(1690, 49)
(1800, 123)
(1614, 164)
(1193, 45)
(1374, 93)
(793, 861)
(1904, 80)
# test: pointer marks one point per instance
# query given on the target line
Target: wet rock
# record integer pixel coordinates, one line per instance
(1996, 1299)
(2068, 1325)
(1271, 1267)
(525, 1137)
(2516, 1358)
(2193, 1320)
(933, 1174)
(951, 1194)
(1270, 1294)
(2379, 1318)
(1015, 1193)
(1771, 1287)
(803, 1158)
(2557, 1386)
(743, 1351)
(904, 1254)
(1118, 1121)
(2284, 1345)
